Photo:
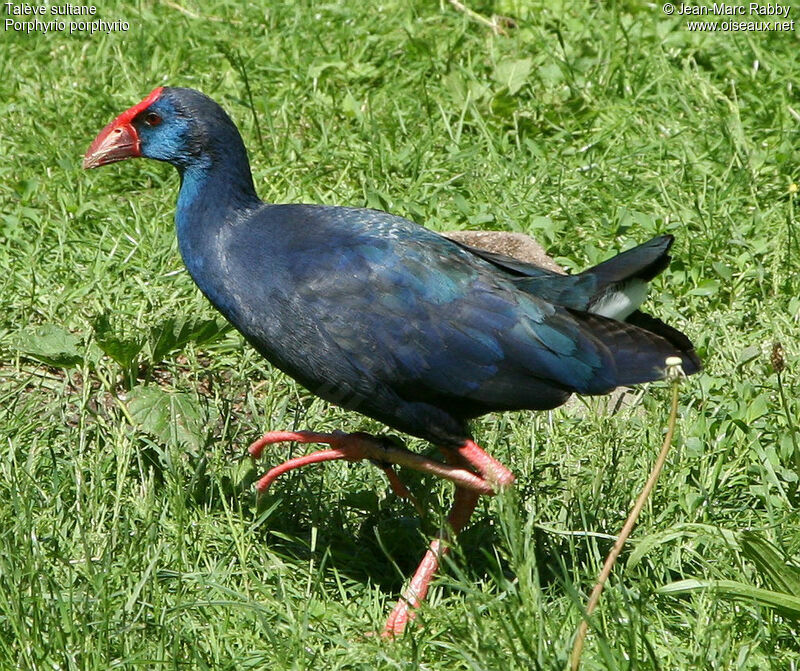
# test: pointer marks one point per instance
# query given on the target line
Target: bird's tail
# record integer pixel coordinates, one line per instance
(611, 292)
(620, 285)
(614, 288)
(639, 347)
(607, 294)
(643, 262)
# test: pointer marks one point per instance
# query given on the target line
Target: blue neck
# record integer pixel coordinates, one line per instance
(215, 194)
(211, 187)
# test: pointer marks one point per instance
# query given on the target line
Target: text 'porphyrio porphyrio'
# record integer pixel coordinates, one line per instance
(377, 314)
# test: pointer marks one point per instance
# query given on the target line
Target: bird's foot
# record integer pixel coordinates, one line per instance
(384, 453)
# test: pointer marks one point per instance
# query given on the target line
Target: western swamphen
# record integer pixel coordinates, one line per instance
(379, 315)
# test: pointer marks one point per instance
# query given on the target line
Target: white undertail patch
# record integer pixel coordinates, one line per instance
(619, 301)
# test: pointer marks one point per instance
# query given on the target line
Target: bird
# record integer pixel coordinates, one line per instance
(387, 318)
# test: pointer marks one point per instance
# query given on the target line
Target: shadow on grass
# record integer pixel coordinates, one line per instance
(366, 537)
(309, 516)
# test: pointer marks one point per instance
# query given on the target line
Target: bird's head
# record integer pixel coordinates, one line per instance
(180, 126)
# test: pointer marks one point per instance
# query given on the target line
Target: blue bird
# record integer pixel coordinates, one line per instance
(382, 316)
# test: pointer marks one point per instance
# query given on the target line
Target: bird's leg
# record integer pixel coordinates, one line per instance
(464, 503)
(497, 475)
(468, 454)
(469, 467)
(358, 446)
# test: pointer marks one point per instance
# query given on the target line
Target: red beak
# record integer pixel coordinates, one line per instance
(116, 142)
(119, 140)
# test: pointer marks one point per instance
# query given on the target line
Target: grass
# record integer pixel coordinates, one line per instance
(130, 534)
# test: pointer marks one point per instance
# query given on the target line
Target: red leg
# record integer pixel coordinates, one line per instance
(491, 469)
(470, 468)
(358, 446)
(464, 502)
(405, 609)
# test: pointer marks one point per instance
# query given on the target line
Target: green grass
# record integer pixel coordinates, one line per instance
(129, 540)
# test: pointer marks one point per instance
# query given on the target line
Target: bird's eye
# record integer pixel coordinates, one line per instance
(152, 119)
